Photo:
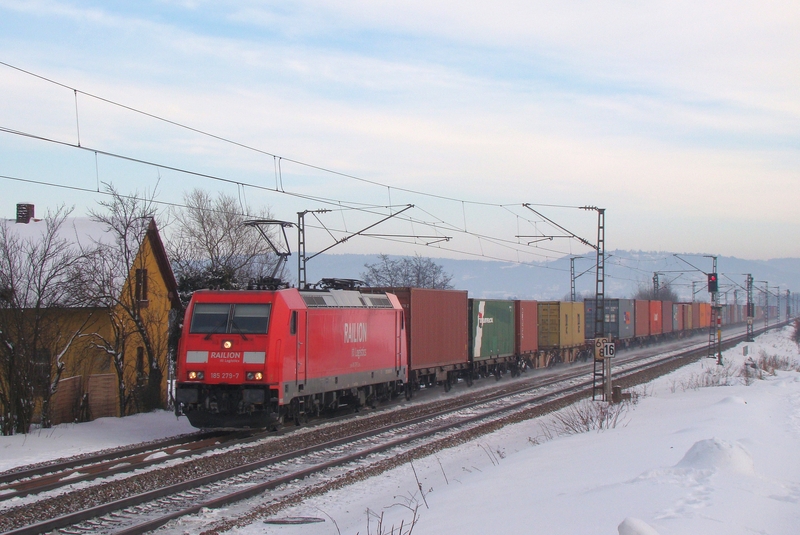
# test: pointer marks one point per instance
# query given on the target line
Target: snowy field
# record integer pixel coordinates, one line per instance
(685, 459)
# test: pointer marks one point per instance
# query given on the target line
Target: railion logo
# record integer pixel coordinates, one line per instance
(226, 355)
(355, 333)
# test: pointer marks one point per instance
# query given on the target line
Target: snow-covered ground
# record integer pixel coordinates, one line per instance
(683, 460)
(68, 440)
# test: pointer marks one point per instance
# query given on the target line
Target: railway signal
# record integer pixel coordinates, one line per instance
(713, 283)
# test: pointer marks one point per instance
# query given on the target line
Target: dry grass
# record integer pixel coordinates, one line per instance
(586, 416)
(711, 376)
(766, 365)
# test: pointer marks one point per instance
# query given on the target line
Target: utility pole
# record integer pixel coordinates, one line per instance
(751, 309)
(572, 277)
(602, 369)
(788, 305)
(655, 284)
(599, 302)
(715, 327)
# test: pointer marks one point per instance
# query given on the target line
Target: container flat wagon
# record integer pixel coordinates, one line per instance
(561, 330)
(617, 320)
(437, 334)
(526, 335)
(491, 338)
(667, 325)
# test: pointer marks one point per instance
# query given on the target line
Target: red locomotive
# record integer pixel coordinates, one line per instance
(257, 358)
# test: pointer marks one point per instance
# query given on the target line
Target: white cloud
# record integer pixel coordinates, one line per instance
(659, 111)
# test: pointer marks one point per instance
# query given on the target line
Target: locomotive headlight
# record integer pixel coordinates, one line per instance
(196, 376)
(254, 376)
(259, 376)
(227, 344)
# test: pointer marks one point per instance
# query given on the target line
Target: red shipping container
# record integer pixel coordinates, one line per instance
(666, 317)
(436, 326)
(642, 312)
(656, 318)
(705, 315)
(526, 327)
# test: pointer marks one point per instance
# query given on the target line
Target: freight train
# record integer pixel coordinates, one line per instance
(260, 358)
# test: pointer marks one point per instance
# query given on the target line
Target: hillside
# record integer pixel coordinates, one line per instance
(626, 271)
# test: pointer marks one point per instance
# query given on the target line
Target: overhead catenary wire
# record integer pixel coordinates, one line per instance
(257, 150)
(440, 226)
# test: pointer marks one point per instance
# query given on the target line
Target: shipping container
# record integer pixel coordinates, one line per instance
(618, 320)
(705, 315)
(696, 316)
(642, 322)
(688, 316)
(666, 317)
(655, 318)
(491, 329)
(526, 319)
(677, 317)
(561, 324)
(437, 328)
(726, 314)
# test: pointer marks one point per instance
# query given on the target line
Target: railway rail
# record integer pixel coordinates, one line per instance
(369, 445)
(51, 476)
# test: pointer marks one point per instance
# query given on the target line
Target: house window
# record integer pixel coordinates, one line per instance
(141, 285)
(140, 365)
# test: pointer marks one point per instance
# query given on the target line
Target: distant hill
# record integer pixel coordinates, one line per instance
(626, 271)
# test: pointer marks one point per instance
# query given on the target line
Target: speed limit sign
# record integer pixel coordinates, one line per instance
(609, 349)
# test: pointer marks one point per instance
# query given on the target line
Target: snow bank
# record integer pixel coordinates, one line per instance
(714, 454)
(634, 526)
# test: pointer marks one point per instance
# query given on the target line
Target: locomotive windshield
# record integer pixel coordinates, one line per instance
(210, 318)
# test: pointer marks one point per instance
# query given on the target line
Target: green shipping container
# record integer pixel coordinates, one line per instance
(561, 324)
(491, 325)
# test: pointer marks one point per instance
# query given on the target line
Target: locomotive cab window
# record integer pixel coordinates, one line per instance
(210, 318)
(250, 319)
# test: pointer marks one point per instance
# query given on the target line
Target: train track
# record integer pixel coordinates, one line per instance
(361, 451)
(52, 476)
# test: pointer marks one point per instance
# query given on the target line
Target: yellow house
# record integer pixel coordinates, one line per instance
(108, 354)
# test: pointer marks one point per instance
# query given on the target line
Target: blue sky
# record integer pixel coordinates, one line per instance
(682, 119)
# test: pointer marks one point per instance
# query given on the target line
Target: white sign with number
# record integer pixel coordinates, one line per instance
(599, 344)
(609, 350)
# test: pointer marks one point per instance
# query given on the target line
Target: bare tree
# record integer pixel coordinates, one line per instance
(38, 280)
(117, 279)
(664, 293)
(210, 247)
(415, 272)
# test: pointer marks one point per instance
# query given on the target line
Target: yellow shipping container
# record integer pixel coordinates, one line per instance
(561, 324)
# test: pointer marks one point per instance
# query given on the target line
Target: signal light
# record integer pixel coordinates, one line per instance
(713, 283)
